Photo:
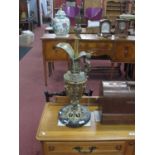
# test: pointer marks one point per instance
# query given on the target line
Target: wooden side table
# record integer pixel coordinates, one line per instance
(96, 139)
(26, 24)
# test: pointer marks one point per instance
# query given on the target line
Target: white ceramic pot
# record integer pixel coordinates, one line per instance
(61, 23)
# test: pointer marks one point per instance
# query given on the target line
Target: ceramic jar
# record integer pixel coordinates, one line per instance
(61, 23)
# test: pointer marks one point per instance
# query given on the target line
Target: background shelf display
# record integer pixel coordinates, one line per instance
(114, 8)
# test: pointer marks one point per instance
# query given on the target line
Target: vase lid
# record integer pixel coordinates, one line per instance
(60, 13)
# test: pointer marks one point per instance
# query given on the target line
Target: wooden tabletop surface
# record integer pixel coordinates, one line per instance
(49, 130)
(48, 36)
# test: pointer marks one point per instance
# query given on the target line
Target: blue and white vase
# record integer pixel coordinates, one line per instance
(61, 23)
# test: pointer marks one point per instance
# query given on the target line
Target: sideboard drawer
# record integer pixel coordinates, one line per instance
(50, 51)
(124, 52)
(77, 148)
(97, 48)
(100, 45)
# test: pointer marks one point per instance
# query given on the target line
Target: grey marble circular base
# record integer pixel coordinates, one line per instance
(74, 115)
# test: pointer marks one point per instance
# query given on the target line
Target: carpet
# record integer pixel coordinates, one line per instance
(23, 51)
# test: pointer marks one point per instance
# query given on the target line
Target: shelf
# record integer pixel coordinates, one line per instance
(114, 5)
(114, 8)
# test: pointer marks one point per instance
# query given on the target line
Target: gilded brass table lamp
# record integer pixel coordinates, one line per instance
(74, 114)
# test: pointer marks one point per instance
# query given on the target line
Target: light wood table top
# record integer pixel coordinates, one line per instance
(49, 129)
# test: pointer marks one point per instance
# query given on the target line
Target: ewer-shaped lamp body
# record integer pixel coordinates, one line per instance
(74, 114)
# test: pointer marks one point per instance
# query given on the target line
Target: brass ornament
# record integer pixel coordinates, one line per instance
(74, 114)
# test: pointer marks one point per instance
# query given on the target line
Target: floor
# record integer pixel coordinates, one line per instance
(31, 97)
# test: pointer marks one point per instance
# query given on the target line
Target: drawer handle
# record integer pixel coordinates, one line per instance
(81, 150)
(118, 147)
(131, 143)
(126, 50)
(54, 47)
(51, 148)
